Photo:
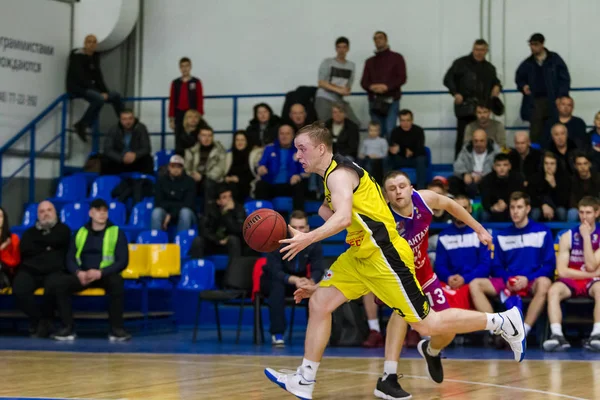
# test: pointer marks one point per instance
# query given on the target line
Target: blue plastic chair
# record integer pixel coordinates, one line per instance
(153, 237)
(251, 206)
(221, 261)
(29, 218)
(161, 158)
(75, 215)
(339, 237)
(333, 250)
(70, 189)
(184, 239)
(197, 275)
(315, 221)
(140, 219)
(117, 213)
(312, 206)
(103, 187)
(284, 204)
(137, 175)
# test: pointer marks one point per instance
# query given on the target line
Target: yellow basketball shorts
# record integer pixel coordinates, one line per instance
(388, 273)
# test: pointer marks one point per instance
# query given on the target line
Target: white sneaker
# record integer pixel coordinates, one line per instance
(292, 382)
(277, 340)
(512, 330)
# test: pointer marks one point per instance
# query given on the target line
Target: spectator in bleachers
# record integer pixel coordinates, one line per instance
(10, 255)
(85, 80)
(583, 183)
(549, 191)
(523, 264)
(594, 138)
(237, 164)
(524, 159)
(174, 198)
(496, 190)
(187, 135)
(494, 129)
(373, 151)
(578, 273)
(280, 277)
(439, 216)
(336, 76)
(205, 163)
(262, 128)
(97, 255)
(127, 147)
(460, 258)
(407, 148)
(280, 172)
(186, 94)
(297, 117)
(472, 164)
(543, 77)
(43, 248)
(575, 125)
(471, 80)
(563, 148)
(383, 77)
(220, 227)
(346, 135)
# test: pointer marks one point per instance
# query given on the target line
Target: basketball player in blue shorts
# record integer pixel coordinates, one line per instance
(378, 261)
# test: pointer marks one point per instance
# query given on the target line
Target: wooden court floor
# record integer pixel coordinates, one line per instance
(154, 376)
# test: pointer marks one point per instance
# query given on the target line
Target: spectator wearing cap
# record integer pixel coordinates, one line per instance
(186, 94)
(494, 129)
(584, 182)
(174, 198)
(543, 78)
(97, 255)
(407, 148)
(524, 159)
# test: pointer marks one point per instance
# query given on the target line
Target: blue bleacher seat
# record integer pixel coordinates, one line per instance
(221, 261)
(333, 250)
(412, 172)
(103, 187)
(75, 215)
(153, 237)
(139, 220)
(70, 189)
(89, 177)
(284, 204)
(312, 206)
(137, 175)
(161, 158)
(197, 275)
(29, 218)
(339, 237)
(315, 221)
(251, 206)
(117, 213)
(184, 240)
(536, 146)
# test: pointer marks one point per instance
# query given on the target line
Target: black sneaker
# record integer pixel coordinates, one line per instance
(65, 334)
(388, 388)
(556, 343)
(593, 343)
(434, 364)
(42, 331)
(118, 335)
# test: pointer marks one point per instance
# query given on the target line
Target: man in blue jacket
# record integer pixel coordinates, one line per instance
(97, 256)
(542, 78)
(279, 170)
(523, 264)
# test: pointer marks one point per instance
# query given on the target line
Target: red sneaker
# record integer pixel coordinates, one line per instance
(412, 339)
(374, 340)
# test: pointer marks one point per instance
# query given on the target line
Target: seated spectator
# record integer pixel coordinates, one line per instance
(298, 117)
(127, 147)
(97, 255)
(549, 191)
(336, 76)
(583, 183)
(186, 94)
(174, 198)
(279, 171)
(575, 125)
(460, 258)
(280, 277)
(44, 247)
(577, 267)
(345, 133)
(262, 129)
(594, 138)
(373, 151)
(562, 147)
(524, 159)
(496, 190)
(205, 163)
(523, 264)
(407, 148)
(237, 164)
(10, 255)
(187, 135)
(474, 161)
(494, 129)
(85, 80)
(220, 227)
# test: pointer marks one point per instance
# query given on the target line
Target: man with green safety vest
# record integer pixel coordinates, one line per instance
(97, 256)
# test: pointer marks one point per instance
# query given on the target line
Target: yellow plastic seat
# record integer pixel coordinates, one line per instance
(164, 260)
(39, 292)
(138, 262)
(92, 292)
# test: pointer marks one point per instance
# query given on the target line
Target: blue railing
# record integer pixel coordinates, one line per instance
(62, 101)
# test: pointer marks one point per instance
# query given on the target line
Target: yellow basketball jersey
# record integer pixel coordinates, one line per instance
(373, 225)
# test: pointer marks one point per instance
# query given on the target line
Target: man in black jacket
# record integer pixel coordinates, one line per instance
(584, 182)
(43, 250)
(281, 278)
(407, 148)
(127, 147)
(97, 255)
(84, 79)
(471, 80)
(175, 194)
(524, 159)
(496, 188)
(345, 132)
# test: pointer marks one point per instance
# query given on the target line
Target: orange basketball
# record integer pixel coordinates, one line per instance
(263, 229)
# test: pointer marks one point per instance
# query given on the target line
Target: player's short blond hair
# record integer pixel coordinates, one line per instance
(318, 133)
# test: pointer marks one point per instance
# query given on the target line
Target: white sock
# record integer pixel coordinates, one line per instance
(527, 329)
(596, 329)
(374, 325)
(493, 321)
(556, 329)
(389, 368)
(310, 369)
(431, 351)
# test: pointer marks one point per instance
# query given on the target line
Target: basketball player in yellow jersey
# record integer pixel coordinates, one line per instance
(378, 261)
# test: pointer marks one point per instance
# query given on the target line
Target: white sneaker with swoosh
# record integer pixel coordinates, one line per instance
(513, 331)
(292, 382)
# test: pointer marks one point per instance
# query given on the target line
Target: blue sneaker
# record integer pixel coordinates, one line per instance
(277, 340)
(513, 331)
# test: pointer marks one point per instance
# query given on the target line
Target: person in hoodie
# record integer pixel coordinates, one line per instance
(127, 147)
(279, 170)
(496, 189)
(523, 264)
(563, 148)
(237, 164)
(97, 255)
(262, 128)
